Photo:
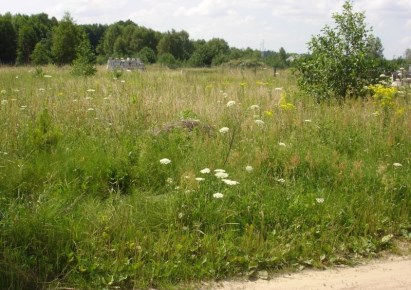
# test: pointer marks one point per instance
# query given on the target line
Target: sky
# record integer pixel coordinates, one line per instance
(259, 24)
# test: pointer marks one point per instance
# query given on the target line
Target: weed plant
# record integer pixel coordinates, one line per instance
(96, 193)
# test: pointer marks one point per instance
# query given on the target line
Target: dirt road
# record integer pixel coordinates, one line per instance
(388, 273)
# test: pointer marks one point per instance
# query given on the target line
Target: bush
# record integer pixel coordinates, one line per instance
(168, 60)
(84, 63)
(343, 60)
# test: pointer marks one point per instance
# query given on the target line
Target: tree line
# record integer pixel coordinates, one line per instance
(38, 40)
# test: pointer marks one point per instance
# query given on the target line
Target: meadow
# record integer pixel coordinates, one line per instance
(167, 178)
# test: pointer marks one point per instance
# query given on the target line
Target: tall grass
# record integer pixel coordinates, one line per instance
(86, 203)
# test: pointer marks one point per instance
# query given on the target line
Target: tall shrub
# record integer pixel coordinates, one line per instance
(340, 63)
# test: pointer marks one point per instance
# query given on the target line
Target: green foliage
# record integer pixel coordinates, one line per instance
(213, 52)
(126, 39)
(44, 135)
(168, 60)
(147, 55)
(84, 63)
(65, 39)
(177, 44)
(40, 55)
(85, 202)
(8, 43)
(342, 60)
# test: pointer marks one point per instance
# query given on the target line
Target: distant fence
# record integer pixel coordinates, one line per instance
(127, 64)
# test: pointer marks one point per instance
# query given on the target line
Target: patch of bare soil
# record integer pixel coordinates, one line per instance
(389, 272)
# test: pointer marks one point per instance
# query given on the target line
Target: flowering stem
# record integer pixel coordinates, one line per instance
(230, 146)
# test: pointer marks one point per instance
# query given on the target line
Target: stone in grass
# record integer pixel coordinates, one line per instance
(255, 275)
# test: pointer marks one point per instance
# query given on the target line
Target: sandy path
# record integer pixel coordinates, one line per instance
(389, 273)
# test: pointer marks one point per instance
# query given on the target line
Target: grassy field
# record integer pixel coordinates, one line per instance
(103, 184)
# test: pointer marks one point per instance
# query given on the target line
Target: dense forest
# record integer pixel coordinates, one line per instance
(38, 39)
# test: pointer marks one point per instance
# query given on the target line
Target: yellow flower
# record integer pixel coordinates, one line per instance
(383, 96)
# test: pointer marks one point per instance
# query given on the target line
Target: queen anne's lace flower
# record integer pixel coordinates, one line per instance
(218, 195)
(165, 161)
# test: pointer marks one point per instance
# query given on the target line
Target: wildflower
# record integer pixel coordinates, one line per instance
(224, 130)
(375, 114)
(218, 195)
(90, 109)
(3, 102)
(278, 89)
(230, 182)
(23, 107)
(47, 76)
(180, 215)
(259, 122)
(219, 170)
(319, 199)
(282, 180)
(169, 180)
(3, 91)
(205, 170)
(307, 121)
(255, 107)
(268, 113)
(230, 104)
(91, 90)
(200, 178)
(221, 175)
(249, 168)
(282, 144)
(123, 81)
(165, 161)
(41, 89)
(396, 164)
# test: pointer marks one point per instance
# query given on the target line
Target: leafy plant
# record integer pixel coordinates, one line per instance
(84, 63)
(342, 61)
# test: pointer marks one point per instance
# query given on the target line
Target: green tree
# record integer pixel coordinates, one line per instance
(213, 52)
(66, 37)
(26, 42)
(147, 55)
(168, 60)
(176, 43)
(340, 63)
(95, 33)
(40, 55)
(8, 43)
(84, 63)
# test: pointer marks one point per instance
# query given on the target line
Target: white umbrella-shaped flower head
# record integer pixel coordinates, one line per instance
(205, 170)
(218, 195)
(249, 168)
(224, 130)
(230, 182)
(165, 161)
(230, 104)
(221, 175)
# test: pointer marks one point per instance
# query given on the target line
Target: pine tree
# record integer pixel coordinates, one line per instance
(84, 63)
